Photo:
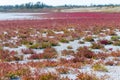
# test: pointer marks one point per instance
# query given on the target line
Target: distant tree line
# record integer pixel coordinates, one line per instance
(105, 5)
(29, 5)
(40, 5)
(92, 5)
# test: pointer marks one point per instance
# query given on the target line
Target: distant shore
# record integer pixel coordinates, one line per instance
(81, 9)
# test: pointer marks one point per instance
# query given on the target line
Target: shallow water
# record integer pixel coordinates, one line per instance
(15, 16)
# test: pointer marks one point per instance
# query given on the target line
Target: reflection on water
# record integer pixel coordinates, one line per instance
(14, 16)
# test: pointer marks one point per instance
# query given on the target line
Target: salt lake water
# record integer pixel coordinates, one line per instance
(14, 16)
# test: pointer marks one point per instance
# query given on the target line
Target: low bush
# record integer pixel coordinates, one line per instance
(97, 46)
(48, 76)
(43, 56)
(62, 70)
(6, 55)
(43, 64)
(34, 46)
(28, 51)
(116, 43)
(102, 55)
(110, 63)
(86, 76)
(99, 67)
(115, 54)
(69, 47)
(105, 42)
(45, 45)
(47, 54)
(115, 38)
(74, 65)
(89, 38)
(82, 60)
(84, 52)
(64, 40)
(67, 52)
(81, 42)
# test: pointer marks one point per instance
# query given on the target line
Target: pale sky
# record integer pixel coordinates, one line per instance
(61, 2)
